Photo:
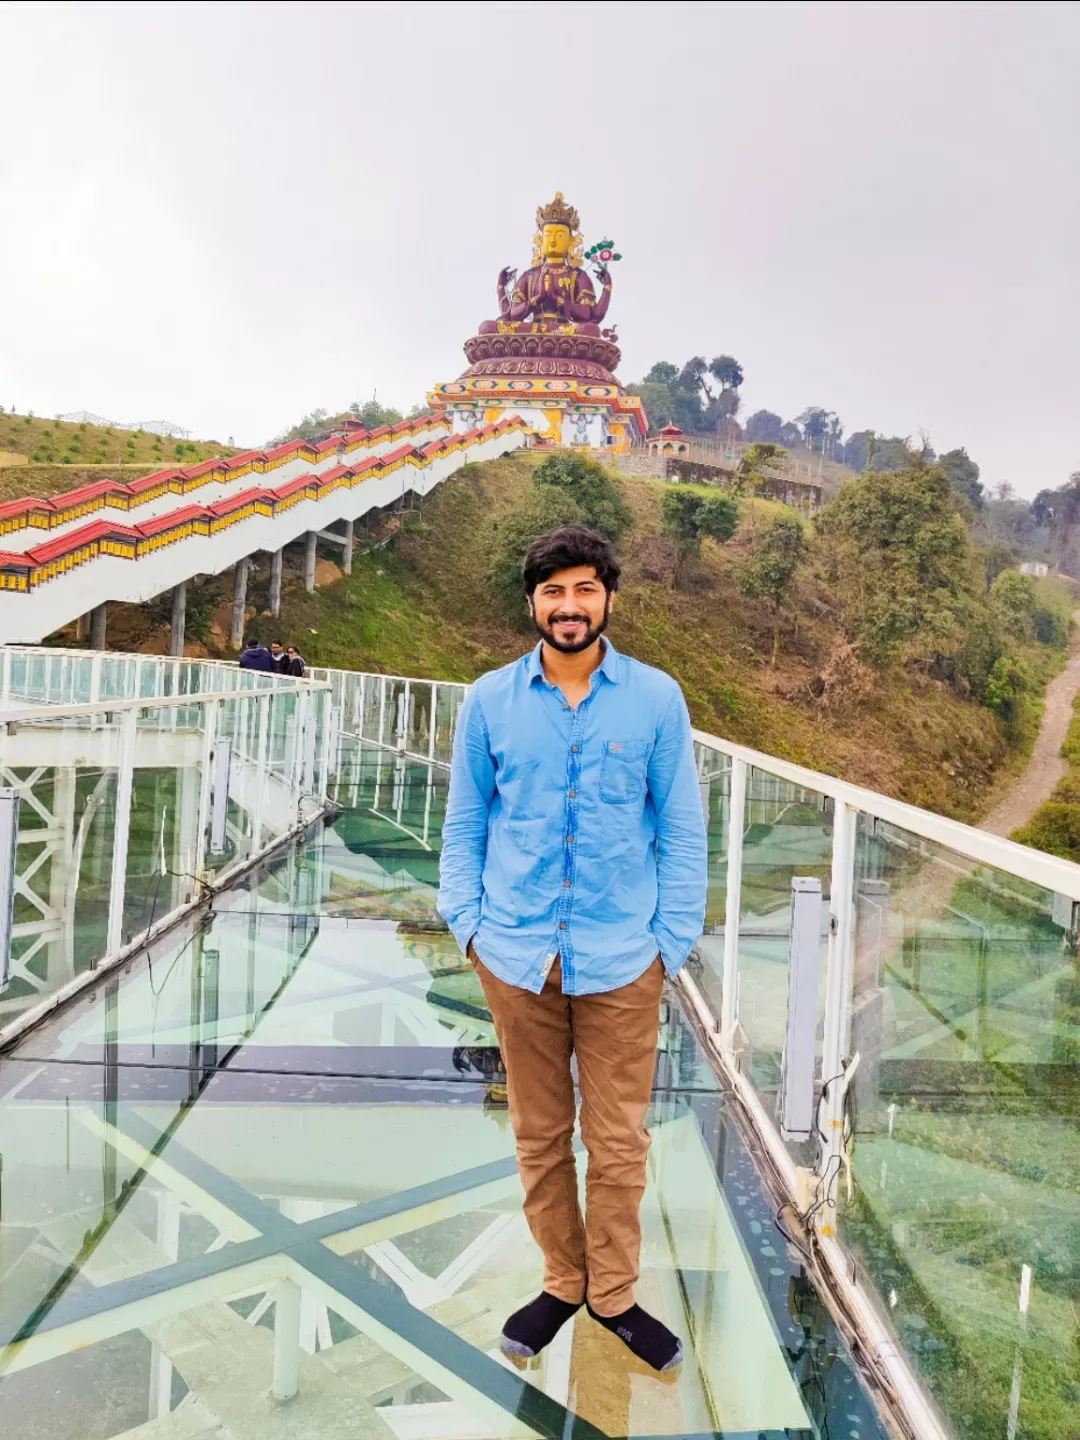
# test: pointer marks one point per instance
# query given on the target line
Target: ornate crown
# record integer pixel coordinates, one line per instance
(557, 213)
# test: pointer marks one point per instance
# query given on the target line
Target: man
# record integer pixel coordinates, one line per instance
(294, 663)
(255, 656)
(280, 659)
(574, 877)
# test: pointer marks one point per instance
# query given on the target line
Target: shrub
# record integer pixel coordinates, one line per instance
(1055, 828)
(98, 460)
(1006, 686)
(1051, 627)
(688, 516)
(597, 494)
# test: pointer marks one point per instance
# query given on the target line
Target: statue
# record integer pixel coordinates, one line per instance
(556, 293)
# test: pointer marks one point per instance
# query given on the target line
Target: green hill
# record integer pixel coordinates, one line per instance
(421, 606)
(418, 603)
(46, 457)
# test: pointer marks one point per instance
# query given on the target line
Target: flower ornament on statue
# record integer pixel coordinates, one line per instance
(601, 255)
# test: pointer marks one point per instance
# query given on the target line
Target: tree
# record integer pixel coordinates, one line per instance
(770, 574)
(763, 461)
(316, 424)
(544, 508)
(963, 475)
(597, 493)
(727, 370)
(814, 424)
(790, 435)
(1013, 595)
(688, 516)
(662, 373)
(901, 562)
(764, 426)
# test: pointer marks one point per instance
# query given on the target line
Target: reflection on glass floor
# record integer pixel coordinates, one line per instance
(263, 1184)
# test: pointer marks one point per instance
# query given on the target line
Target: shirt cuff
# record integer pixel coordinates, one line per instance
(464, 928)
(673, 952)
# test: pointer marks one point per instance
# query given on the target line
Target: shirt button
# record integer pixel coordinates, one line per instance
(567, 882)
(573, 794)
(562, 924)
(575, 748)
(569, 839)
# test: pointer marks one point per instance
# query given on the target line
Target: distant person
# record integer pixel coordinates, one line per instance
(255, 656)
(573, 876)
(294, 663)
(280, 659)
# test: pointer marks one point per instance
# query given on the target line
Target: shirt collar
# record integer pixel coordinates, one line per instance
(608, 667)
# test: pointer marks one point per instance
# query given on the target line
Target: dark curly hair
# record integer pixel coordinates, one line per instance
(567, 547)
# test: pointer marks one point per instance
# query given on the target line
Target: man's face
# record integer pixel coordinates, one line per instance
(571, 608)
(276, 650)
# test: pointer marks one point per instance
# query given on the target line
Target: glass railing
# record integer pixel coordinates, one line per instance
(941, 1031)
(940, 1174)
(121, 812)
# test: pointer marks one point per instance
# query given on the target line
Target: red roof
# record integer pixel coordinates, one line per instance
(237, 502)
(205, 467)
(671, 430)
(149, 528)
(83, 493)
(246, 457)
(10, 558)
(84, 535)
(20, 507)
(299, 482)
(147, 482)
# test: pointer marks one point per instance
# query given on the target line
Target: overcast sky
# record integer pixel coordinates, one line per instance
(225, 215)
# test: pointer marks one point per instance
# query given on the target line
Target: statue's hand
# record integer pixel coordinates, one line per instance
(507, 275)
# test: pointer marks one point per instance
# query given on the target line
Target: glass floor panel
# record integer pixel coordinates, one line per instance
(274, 1154)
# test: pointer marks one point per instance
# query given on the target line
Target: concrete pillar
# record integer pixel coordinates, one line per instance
(97, 627)
(346, 558)
(179, 614)
(82, 627)
(309, 561)
(275, 583)
(239, 602)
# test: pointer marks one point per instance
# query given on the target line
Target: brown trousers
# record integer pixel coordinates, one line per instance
(614, 1037)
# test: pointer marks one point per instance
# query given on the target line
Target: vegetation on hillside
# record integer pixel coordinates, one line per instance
(67, 442)
(1055, 826)
(923, 715)
(318, 422)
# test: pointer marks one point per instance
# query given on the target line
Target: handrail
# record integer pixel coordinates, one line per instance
(146, 702)
(1048, 871)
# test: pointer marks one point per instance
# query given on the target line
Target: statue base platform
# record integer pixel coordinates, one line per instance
(543, 352)
(589, 410)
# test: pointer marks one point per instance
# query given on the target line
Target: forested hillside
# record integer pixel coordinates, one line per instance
(871, 643)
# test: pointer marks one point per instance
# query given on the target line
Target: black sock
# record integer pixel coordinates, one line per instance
(533, 1327)
(649, 1339)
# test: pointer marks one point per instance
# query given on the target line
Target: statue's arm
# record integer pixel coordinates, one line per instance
(601, 306)
(518, 306)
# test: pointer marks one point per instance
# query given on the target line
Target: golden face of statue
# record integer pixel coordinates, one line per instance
(555, 244)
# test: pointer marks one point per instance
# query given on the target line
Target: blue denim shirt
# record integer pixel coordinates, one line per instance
(574, 832)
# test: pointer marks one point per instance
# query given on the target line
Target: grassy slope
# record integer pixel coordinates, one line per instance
(63, 454)
(421, 607)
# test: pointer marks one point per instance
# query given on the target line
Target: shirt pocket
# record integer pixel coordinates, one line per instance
(622, 773)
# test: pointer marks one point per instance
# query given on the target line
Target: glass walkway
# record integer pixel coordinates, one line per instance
(258, 1180)
(260, 1183)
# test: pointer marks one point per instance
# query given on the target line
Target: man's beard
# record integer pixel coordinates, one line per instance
(591, 635)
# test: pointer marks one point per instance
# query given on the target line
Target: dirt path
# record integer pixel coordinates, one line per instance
(1046, 766)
